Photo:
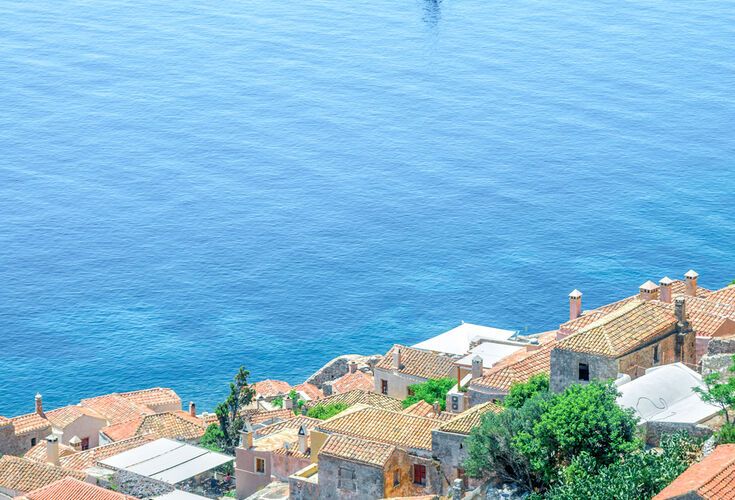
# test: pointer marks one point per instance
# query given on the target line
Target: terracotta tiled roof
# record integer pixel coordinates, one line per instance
(383, 426)
(115, 408)
(709, 317)
(502, 377)
(622, 331)
(352, 381)
(418, 363)
(29, 422)
(724, 295)
(424, 409)
(89, 458)
(293, 423)
(38, 452)
(24, 475)
(4, 421)
(209, 419)
(360, 396)
(357, 450)
(311, 391)
(162, 425)
(153, 397)
(61, 417)
(271, 388)
(70, 488)
(712, 479)
(469, 419)
(271, 415)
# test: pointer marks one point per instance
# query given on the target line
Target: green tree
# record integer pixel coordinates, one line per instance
(277, 402)
(582, 419)
(520, 392)
(325, 411)
(213, 438)
(297, 401)
(228, 411)
(430, 391)
(719, 393)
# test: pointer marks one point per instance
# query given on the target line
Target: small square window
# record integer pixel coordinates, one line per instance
(259, 465)
(584, 371)
(33, 442)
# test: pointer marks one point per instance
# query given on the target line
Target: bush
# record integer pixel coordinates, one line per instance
(430, 391)
(325, 411)
(520, 392)
(726, 434)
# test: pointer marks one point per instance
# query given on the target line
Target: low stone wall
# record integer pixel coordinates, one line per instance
(656, 430)
(339, 366)
(139, 486)
(721, 346)
(717, 363)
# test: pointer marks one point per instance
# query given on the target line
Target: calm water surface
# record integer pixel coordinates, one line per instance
(186, 187)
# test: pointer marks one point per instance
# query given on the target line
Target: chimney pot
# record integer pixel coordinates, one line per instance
(575, 304)
(681, 314)
(288, 403)
(39, 403)
(397, 358)
(52, 449)
(303, 435)
(476, 367)
(246, 436)
(76, 443)
(665, 289)
(691, 281)
(648, 291)
(353, 367)
(437, 408)
(192, 409)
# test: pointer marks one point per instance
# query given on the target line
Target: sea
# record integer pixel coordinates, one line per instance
(188, 187)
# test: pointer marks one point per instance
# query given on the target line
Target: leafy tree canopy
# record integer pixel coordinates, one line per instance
(718, 392)
(228, 411)
(523, 391)
(430, 391)
(325, 411)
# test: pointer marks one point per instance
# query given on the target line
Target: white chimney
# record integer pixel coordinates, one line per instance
(246, 436)
(648, 291)
(192, 409)
(76, 443)
(476, 367)
(691, 279)
(303, 435)
(575, 304)
(52, 449)
(397, 358)
(665, 289)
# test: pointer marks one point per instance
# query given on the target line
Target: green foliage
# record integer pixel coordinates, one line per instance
(639, 475)
(430, 391)
(231, 494)
(325, 411)
(297, 401)
(582, 419)
(522, 392)
(213, 438)
(277, 402)
(228, 412)
(726, 434)
(719, 393)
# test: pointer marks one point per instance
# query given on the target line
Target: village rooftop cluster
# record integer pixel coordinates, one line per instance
(656, 345)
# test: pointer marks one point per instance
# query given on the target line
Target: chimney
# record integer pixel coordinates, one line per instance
(303, 435)
(437, 409)
(76, 443)
(288, 403)
(52, 449)
(246, 436)
(681, 314)
(353, 367)
(476, 367)
(192, 409)
(691, 279)
(397, 358)
(575, 304)
(39, 403)
(648, 291)
(665, 289)
(259, 402)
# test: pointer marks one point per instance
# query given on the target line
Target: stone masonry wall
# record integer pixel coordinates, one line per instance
(339, 366)
(368, 483)
(721, 346)
(565, 368)
(656, 430)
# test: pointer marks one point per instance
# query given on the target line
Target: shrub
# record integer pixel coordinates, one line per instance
(430, 391)
(325, 411)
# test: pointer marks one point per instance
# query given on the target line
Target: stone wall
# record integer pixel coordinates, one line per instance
(717, 363)
(302, 489)
(565, 368)
(402, 463)
(368, 480)
(138, 486)
(450, 450)
(339, 366)
(655, 430)
(721, 346)
(13, 444)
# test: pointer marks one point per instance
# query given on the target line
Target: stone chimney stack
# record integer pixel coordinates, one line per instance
(476, 367)
(246, 436)
(648, 291)
(353, 367)
(682, 322)
(575, 304)
(76, 443)
(397, 358)
(691, 279)
(288, 403)
(39, 403)
(303, 435)
(192, 409)
(437, 408)
(52, 449)
(665, 289)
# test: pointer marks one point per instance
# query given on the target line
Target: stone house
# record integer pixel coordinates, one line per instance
(353, 379)
(404, 366)
(634, 337)
(272, 453)
(448, 443)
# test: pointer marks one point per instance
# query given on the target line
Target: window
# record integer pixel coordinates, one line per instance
(655, 354)
(259, 465)
(33, 442)
(584, 371)
(384, 386)
(346, 479)
(396, 477)
(419, 474)
(85, 443)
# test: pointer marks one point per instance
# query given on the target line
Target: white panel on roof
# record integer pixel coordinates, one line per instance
(159, 463)
(185, 470)
(142, 453)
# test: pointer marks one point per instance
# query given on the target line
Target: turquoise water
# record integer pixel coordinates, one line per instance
(190, 186)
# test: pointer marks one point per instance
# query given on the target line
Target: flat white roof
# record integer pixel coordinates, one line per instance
(179, 495)
(490, 352)
(167, 460)
(457, 340)
(665, 394)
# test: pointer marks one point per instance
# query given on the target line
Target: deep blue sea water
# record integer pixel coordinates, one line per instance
(186, 187)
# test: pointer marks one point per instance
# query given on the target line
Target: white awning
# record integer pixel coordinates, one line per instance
(457, 340)
(167, 460)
